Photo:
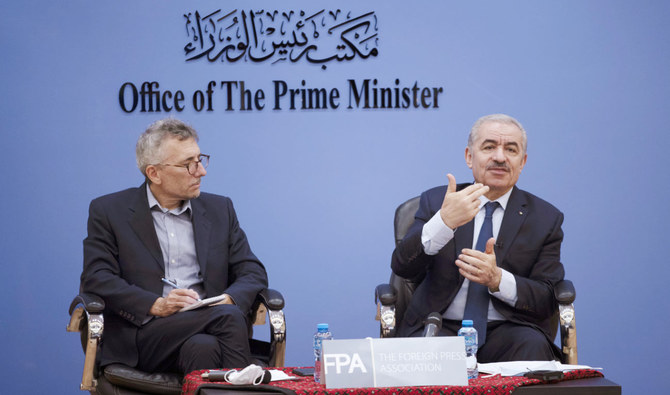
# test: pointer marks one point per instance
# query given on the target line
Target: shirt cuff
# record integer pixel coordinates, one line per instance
(507, 288)
(435, 235)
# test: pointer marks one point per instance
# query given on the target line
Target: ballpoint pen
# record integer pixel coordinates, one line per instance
(173, 284)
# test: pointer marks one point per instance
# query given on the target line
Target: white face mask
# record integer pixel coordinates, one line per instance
(252, 374)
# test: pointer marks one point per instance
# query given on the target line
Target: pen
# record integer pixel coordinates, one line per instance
(170, 283)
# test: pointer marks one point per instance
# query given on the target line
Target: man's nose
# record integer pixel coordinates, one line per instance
(200, 171)
(499, 154)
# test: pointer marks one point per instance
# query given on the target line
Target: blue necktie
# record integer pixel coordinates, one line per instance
(477, 304)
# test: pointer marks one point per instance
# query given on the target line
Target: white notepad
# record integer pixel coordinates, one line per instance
(205, 302)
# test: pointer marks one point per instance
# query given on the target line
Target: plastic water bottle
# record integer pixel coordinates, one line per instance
(321, 334)
(469, 334)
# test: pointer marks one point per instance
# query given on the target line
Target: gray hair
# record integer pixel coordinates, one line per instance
(149, 146)
(502, 118)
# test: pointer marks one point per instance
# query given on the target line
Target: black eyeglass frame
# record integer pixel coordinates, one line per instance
(203, 159)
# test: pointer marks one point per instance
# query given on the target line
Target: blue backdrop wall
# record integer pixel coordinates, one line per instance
(315, 189)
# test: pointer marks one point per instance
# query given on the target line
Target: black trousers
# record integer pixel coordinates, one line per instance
(212, 337)
(506, 341)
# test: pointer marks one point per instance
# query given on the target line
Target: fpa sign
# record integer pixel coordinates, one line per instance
(345, 363)
(394, 362)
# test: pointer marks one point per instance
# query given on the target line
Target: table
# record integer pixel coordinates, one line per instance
(577, 382)
(595, 386)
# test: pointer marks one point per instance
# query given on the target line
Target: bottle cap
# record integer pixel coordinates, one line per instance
(467, 323)
(322, 327)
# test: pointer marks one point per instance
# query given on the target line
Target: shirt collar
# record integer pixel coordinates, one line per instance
(153, 204)
(502, 200)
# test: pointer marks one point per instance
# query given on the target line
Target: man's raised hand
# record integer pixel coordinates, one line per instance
(460, 207)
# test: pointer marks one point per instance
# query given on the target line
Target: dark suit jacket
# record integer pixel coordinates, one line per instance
(124, 265)
(528, 246)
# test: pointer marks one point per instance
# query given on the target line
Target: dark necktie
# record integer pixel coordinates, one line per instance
(477, 304)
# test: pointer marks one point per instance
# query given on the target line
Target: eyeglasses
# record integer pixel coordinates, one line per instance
(192, 166)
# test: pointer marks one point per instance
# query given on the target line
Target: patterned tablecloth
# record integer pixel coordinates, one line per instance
(306, 385)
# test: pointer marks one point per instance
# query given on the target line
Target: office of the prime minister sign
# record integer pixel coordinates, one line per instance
(394, 362)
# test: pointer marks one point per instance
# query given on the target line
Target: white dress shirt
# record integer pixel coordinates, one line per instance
(435, 235)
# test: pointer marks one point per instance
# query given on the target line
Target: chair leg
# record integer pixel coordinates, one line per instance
(277, 337)
(89, 327)
(88, 382)
(278, 355)
(568, 333)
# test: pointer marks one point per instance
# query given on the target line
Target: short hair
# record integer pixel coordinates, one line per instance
(149, 146)
(502, 118)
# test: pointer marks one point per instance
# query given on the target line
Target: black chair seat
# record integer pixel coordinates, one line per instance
(136, 381)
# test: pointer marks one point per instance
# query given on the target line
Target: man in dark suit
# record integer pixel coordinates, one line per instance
(513, 273)
(153, 250)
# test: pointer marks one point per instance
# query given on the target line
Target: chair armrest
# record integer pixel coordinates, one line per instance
(385, 293)
(271, 302)
(565, 295)
(86, 316)
(271, 298)
(93, 304)
(565, 292)
(87, 319)
(385, 299)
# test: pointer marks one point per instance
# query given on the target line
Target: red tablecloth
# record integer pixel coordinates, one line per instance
(306, 385)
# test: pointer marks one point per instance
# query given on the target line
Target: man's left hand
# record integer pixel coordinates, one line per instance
(479, 266)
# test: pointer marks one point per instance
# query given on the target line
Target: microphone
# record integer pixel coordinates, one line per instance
(267, 377)
(433, 324)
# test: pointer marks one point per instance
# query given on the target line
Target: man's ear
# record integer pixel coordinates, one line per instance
(468, 157)
(152, 174)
